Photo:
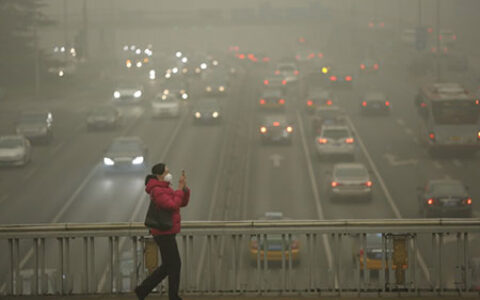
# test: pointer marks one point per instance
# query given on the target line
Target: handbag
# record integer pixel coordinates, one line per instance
(158, 218)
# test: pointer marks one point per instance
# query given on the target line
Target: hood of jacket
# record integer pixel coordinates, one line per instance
(154, 182)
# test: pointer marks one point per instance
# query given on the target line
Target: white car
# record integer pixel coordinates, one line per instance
(15, 150)
(165, 105)
(128, 94)
(335, 140)
(126, 153)
(350, 180)
(289, 71)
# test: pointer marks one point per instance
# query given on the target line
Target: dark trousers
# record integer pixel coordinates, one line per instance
(170, 267)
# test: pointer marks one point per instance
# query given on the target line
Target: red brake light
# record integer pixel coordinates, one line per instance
(281, 101)
(430, 29)
(423, 104)
(333, 78)
(297, 57)
(263, 129)
(362, 66)
(296, 72)
(349, 140)
(477, 102)
(289, 129)
(309, 102)
(478, 135)
(430, 201)
(241, 56)
(348, 78)
(320, 55)
(440, 37)
(322, 141)
(262, 101)
(434, 49)
(469, 201)
(454, 37)
(276, 124)
(277, 72)
(432, 136)
(266, 59)
(334, 184)
(382, 24)
(375, 66)
(368, 184)
(301, 40)
(371, 24)
(284, 82)
(312, 55)
(266, 82)
(364, 103)
(387, 103)
(329, 102)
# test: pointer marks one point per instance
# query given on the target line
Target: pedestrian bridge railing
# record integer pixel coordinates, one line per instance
(435, 256)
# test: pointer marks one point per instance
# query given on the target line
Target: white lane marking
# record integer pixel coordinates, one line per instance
(142, 199)
(57, 148)
(30, 174)
(437, 164)
(392, 160)
(276, 159)
(400, 122)
(457, 163)
(408, 131)
(313, 181)
(394, 207)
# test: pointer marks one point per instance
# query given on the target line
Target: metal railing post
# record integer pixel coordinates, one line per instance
(434, 261)
(11, 278)
(283, 263)
(440, 256)
(118, 276)
(234, 262)
(135, 263)
(43, 275)
(18, 277)
(265, 261)
(466, 258)
(92, 265)
(35, 266)
(86, 278)
(414, 260)
(67, 276)
(290, 262)
(61, 266)
(383, 271)
(110, 261)
(366, 272)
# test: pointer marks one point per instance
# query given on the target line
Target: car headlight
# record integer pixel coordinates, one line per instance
(61, 73)
(215, 114)
(137, 94)
(116, 94)
(221, 88)
(137, 160)
(197, 70)
(185, 96)
(166, 92)
(152, 74)
(184, 70)
(208, 88)
(108, 161)
(198, 115)
(175, 70)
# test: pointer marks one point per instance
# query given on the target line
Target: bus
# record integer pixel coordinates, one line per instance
(449, 118)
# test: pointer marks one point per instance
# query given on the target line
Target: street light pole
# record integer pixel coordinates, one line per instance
(438, 66)
(37, 57)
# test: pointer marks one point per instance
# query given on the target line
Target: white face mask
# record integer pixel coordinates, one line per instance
(168, 177)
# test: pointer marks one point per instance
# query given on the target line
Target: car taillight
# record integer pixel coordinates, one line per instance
(434, 50)
(241, 56)
(364, 103)
(477, 101)
(423, 104)
(277, 72)
(266, 82)
(349, 140)
(430, 201)
(266, 59)
(329, 102)
(382, 24)
(440, 37)
(322, 141)
(297, 57)
(276, 124)
(348, 78)
(312, 55)
(284, 82)
(334, 184)
(387, 103)
(431, 136)
(375, 66)
(289, 129)
(333, 78)
(368, 184)
(262, 101)
(478, 136)
(281, 101)
(309, 102)
(468, 201)
(454, 37)
(430, 29)
(362, 66)
(295, 72)
(263, 129)
(320, 55)
(371, 24)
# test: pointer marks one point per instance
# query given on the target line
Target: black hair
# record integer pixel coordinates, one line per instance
(157, 169)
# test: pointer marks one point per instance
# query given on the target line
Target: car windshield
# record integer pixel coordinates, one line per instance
(32, 118)
(125, 146)
(207, 104)
(455, 112)
(102, 111)
(448, 189)
(10, 143)
(286, 68)
(335, 133)
(351, 172)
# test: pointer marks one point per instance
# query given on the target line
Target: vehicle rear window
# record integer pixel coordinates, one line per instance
(448, 188)
(455, 112)
(10, 143)
(351, 172)
(335, 133)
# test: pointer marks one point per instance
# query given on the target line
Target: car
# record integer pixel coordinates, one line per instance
(127, 93)
(341, 78)
(276, 129)
(375, 103)
(36, 125)
(207, 110)
(350, 181)
(409, 36)
(303, 56)
(103, 116)
(15, 150)
(456, 61)
(275, 82)
(216, 86)
(335, 141)
(327, 115)
(165, 106)
(376, 24)
(447, 36)
(175, 86)
(126, 153)
(369, 66)
(318, 97)
(278, 245)
(272, 99)
(289, 71)
(444, 198)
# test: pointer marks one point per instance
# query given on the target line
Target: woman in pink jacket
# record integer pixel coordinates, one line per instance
(157, 185)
